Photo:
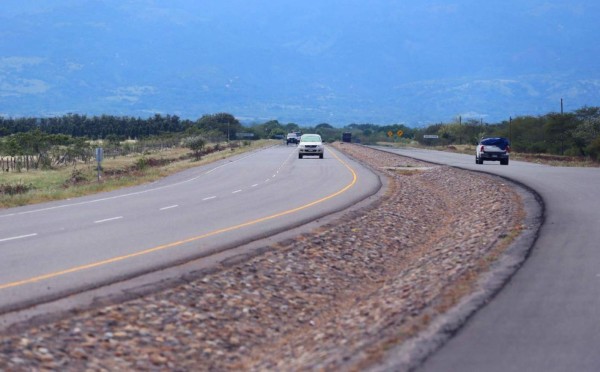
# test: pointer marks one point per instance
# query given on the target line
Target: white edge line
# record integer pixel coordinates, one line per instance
(209, 198)
(256, 184)
(109, 219)
(18, 237)
(236, 191)
(169, 207)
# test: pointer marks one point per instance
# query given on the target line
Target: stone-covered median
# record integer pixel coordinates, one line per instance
(337, 298)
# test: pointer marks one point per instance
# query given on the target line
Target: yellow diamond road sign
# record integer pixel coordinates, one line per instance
(400, 133)
(390, 133)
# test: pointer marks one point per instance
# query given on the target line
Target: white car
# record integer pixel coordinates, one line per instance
(496, 148)
(310, 144)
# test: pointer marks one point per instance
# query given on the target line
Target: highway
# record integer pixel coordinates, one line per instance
(51, 250)
(547, 318)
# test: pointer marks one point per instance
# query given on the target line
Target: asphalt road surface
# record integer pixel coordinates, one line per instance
(547, 318)
(50, 250)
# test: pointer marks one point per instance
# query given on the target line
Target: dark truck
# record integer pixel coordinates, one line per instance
(346, 137)
(293, 137)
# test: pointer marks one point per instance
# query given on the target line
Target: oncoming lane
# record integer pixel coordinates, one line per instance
(545, 318)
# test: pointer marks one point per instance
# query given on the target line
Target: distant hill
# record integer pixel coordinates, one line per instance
(334, 61)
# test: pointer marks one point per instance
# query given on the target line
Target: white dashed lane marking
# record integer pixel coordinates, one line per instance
(169, 207)
(18, 237)
(109, 219)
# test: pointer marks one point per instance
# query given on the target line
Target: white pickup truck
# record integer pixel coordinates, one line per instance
(495, 149)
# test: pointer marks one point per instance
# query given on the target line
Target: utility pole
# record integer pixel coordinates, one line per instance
(562, 135)
(510, 129)
(460, 129)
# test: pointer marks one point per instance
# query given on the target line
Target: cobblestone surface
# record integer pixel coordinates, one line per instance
(334, 299)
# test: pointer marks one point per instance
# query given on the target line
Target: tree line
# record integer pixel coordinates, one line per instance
(124, 127)
(33, 143)
(63, 139)
(575, 133)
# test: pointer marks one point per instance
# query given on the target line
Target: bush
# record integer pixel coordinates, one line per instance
(593, 149)
(19, 188)
(76, 177)
(141, 163)
(196, 144)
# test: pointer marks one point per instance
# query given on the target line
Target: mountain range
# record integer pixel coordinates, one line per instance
(332, 61)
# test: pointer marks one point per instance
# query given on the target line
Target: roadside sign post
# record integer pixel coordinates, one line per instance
(430, 138)
(99, 158)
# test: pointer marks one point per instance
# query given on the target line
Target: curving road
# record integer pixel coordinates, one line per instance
(51, 250)
(547, 318)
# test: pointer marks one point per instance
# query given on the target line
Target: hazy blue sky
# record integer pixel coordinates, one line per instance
(333, 61)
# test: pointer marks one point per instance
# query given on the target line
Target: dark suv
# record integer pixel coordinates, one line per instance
(293, 137)
(496, 149)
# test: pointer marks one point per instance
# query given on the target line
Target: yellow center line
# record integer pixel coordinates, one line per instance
(188, 240)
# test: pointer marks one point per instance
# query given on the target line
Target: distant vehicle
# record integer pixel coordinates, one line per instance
(292, 138)
(346, 137)
(495, 149)
(311, 144)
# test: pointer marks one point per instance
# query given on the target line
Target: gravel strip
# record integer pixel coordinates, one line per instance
(337, 298)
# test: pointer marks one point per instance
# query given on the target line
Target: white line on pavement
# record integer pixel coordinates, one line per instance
(109, 219)
(17, 237)
(169, 207)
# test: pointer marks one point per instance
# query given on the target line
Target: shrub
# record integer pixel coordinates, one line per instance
(76, 177)
(141, 163)
(18, 188)
(594, 149)
(196, 144)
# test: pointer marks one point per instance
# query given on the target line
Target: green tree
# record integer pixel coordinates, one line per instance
(526, 133)
(559, 132)
(269, 129)
(224, 123)
(196, 144)
(586, 133)
(292, 127)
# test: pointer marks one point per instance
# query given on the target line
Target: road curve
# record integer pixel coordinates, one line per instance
(51, 250)
(547, 317)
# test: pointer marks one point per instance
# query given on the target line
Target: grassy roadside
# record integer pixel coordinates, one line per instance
(547, 159)
(37, 186)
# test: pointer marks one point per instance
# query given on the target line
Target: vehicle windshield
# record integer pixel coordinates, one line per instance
(501, 143)
(310, 138)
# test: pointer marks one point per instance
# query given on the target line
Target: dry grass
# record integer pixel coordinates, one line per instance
(118, 172)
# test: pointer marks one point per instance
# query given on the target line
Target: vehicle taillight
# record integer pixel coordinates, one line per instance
(507, 148)
(481, 149)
